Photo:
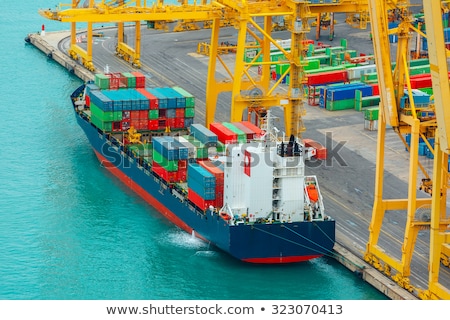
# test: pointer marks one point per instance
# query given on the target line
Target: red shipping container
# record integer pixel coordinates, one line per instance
(224, 134)
(140, 79)
(321, 151)
(152, 125)
(135, 123)
(248, 132)
(168, 176)
(375, 89)
(199, 201)
(179, 123)
(134, 114)
(143, 124)
(87, 100)
(171, 122)
(179, 113)
(322, 78)
(153, 101)
(258, 131)
(143, 114)
(182, 174)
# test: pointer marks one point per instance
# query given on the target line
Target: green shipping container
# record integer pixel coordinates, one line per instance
(153, 114)
(340, 104)
(101, 80)
(169, 165)
(189, 112)
(102, 125)
(105, 115)
(281, 68)
(190, 100)
(131, 79)
(242, 137)
(371, 113)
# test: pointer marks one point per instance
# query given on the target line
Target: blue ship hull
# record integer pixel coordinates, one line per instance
(255, 243)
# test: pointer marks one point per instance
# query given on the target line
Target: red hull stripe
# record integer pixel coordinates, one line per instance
(145, 195)
(280, 260)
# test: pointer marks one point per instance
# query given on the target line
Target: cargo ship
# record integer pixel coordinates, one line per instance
(238, 186)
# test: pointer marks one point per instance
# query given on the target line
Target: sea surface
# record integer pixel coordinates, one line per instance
(70, 230)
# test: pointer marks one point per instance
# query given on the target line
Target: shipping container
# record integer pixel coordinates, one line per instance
(101, 101)
(241, 136)
(188, 122)
(169, 165)
(162, 99)
(131, 79)
(153, 114)
(348, 91)
(189, 112)
(249, 133)
(224, 134)
(207, 193)
(203, 134)
(171, 98)
(179, 98)
(153, 101)
(197, 173)
(190, 100)
(164, 147)
(201, 203)
(168, 176)
(190, 147)
(153, 125)
(101, 80)
(258, 131)
(140, 79)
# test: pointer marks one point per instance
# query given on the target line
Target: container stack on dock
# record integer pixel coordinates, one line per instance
(119, 101)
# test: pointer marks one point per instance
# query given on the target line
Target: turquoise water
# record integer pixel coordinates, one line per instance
(69, 230)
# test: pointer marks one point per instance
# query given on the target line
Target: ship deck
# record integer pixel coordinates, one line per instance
(346, 178)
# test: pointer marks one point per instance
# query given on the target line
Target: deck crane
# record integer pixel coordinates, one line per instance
(408, 120)
(247, 90)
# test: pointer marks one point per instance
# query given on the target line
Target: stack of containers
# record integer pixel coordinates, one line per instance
(101, 110)
(140, 79)
(215, 169)
(169, 159)
(189, 111)
(249, 133)
(201, 186)
(241, 136)
(224, 134)
(343, 97)
(153, 112)
(162, 105)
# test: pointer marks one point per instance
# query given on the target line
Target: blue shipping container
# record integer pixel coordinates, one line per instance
(203, 134)
(348, 92)
(201, 175)
(207, 193)
(164, 147)
(162, 99)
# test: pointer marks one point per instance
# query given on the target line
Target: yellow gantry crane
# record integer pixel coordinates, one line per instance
(410, 119)
(248, 91)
